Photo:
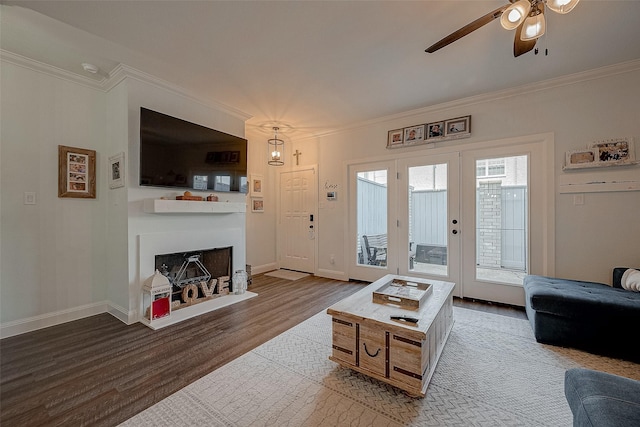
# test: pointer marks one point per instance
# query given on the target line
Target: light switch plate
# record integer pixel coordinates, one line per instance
(29, 198)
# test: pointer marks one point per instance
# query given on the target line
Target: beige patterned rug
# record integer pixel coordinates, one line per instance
(492, 373)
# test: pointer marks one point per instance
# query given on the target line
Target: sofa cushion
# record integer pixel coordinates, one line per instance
(602, 399)
(577, 299)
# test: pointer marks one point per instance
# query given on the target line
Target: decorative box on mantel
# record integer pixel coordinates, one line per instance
(156, 299)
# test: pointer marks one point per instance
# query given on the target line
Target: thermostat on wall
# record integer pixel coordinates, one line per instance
(332, 195)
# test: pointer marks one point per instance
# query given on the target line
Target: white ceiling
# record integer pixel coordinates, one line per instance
(317, 66)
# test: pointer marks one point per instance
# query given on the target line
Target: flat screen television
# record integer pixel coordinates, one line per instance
(176, 153)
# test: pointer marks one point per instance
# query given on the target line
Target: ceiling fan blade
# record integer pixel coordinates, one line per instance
(480, 22)
(520, 47)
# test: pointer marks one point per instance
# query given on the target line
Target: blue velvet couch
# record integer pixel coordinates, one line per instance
(602, 399)
(591, 316)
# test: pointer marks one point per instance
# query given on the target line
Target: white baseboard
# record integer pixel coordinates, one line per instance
(17, 327)
(259, 269)
(332, 274)
(122, 314)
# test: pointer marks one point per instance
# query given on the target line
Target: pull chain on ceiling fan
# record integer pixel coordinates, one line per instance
(524, 16)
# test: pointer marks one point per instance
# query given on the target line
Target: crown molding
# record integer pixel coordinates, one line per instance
(569, 79)
(41, 67)
(123, 72)
(120, 73)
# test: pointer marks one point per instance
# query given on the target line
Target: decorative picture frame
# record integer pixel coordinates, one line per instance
(435, 130)
(460, 125)
(257, 205)
(608, 152)
(580, 158)
(413, 135)
(255, 186)
(116, 171)
(617, 150)
(395, 137)
(76, 172)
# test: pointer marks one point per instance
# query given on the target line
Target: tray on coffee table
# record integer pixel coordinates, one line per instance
(403, 293)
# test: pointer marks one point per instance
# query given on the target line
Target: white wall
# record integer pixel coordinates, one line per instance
(590, 239)
(53, 253)
(63, 259)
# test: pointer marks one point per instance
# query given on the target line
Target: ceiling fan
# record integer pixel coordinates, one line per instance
(524, 16)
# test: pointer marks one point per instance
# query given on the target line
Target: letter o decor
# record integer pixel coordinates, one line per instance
(190, 294)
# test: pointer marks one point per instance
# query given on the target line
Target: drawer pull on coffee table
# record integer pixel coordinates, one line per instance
(367, 351)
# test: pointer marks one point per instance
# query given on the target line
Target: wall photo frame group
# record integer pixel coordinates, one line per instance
(76, 172)
(443, 130)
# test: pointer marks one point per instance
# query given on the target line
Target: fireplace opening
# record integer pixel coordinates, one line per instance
(187, 270)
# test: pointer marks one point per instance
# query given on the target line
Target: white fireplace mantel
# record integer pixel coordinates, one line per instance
(164, 206)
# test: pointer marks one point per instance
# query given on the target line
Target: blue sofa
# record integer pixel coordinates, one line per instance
(591, 316)
(602, 399)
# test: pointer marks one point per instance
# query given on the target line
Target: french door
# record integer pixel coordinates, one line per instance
(404, 218)
(463, 217)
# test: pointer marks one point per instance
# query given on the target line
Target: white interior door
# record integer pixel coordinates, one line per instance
(297, 219)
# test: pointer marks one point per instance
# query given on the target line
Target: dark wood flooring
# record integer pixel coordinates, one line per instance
(98, 371)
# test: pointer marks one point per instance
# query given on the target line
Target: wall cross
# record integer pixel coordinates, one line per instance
(297, 154)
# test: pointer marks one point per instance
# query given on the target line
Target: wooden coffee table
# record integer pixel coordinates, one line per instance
(400, 353)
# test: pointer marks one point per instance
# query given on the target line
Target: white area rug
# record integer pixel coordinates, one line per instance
(287, 274)
(492, 373)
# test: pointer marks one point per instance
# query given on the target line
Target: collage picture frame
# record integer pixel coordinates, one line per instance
(76, 172)
(609, 152)
(443, 130)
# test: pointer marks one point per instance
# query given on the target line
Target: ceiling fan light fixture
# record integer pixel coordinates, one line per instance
(534, 27)
(562, 6)
(513, 16)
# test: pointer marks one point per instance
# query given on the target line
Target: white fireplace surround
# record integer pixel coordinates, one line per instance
(152, 244)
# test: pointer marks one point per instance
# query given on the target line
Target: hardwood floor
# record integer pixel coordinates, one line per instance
(98, 371)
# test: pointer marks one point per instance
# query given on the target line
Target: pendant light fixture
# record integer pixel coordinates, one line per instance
(534, 26)
(562, 6)
(515, 14)
(275, 149)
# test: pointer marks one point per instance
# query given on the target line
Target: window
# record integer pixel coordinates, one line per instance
(490, 167)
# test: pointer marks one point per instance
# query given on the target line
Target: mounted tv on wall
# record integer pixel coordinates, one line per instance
(179, 154)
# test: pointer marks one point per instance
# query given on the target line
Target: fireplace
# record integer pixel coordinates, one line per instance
(193, 268)
(221, 251)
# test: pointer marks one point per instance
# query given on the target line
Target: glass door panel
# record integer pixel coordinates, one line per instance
(428, 219)
(371, 238)
(371, 218)
(501, 219)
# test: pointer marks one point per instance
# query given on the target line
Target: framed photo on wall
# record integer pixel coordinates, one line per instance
(457, 126)
(257, 205)
(394, 138)
(76, 172)
(413, 134)
(116, 170)
(435, 130)
(614, 151)
(255, 186)
(581, 158)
